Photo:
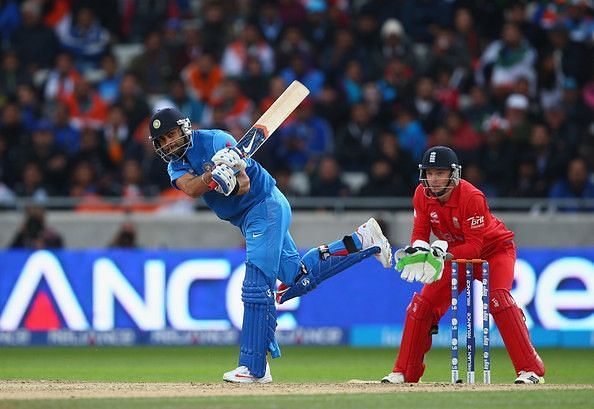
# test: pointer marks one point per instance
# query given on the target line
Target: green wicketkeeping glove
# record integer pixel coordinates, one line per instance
(410, 260)
(435, 261)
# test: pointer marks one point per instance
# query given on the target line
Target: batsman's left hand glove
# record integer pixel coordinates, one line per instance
(231, 157)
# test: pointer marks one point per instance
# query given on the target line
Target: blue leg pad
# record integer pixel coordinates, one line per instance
(315, 270)
(259, 321)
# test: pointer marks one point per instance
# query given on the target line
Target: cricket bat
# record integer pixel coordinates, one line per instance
(270, 120)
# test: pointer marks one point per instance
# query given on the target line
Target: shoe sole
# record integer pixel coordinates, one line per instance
(248, 381)
(233, 379)
(539, 381)
(385, 255)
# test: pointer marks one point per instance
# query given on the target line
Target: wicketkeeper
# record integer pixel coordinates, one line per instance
(458, 215)
(246, 196)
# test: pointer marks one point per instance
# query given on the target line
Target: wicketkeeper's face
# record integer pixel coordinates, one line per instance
(438, 179)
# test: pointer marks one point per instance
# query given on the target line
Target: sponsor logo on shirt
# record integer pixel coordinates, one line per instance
(456, 222)
(434, 217)
(476, 221)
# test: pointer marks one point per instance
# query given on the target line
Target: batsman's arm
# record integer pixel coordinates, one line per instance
(196, 186)
(243, 181)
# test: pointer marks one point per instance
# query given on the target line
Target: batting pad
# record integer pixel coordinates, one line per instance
(259, 322)
(318, 270)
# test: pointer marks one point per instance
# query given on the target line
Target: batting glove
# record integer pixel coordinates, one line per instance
(231, 157)
(225, 179)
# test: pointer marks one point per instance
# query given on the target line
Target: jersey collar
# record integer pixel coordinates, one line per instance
(454, 199)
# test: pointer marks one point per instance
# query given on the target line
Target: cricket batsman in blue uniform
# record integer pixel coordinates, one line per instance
(246, 196)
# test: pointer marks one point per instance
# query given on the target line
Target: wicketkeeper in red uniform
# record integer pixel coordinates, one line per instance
(457, 214)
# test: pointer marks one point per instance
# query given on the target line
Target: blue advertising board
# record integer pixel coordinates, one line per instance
(194, 297)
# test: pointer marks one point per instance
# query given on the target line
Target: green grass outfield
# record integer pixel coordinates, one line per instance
(298, 365)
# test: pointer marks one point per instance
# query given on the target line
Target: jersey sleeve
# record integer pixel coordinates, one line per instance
(474, 217)
(421, 225)
(222, 139)
(176, 170)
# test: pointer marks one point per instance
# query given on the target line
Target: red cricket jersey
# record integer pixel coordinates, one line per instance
(464, 221)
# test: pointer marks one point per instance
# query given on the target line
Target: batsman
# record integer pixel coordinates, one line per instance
(457, 214)
(246, 196)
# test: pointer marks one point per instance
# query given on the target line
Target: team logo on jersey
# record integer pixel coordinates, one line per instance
(156, 124)
(456, 222)
(434, 217)
(207, 166)
(476, 221)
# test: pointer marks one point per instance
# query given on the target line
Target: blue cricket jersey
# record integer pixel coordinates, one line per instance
(205, 143)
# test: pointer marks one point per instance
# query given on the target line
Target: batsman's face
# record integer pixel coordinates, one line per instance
(438, 179)
(172, 141)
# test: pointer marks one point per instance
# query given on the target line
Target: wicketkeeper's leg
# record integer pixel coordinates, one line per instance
(512, 327)
(422, 315)
(416, 339)
(508, 316)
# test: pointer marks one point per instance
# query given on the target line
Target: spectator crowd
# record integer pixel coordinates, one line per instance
(508, 84)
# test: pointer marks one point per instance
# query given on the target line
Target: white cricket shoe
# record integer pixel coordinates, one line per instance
(371, 235)
(393, 377)
(529, 378)
(242, 374)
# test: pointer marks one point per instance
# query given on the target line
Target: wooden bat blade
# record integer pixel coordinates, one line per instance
(274, 116)
(269, 122)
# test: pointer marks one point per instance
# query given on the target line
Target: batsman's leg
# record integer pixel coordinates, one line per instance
(323, 262)
(259, 325)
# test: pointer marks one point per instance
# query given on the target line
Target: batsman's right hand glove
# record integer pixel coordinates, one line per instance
(410, 260)
(225, 179)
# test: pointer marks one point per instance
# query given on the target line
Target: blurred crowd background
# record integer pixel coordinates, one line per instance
(508, 84)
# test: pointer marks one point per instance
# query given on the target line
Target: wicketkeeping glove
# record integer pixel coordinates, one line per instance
(434, 263)
(231, 157)
(225, 179)
(410, 260)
